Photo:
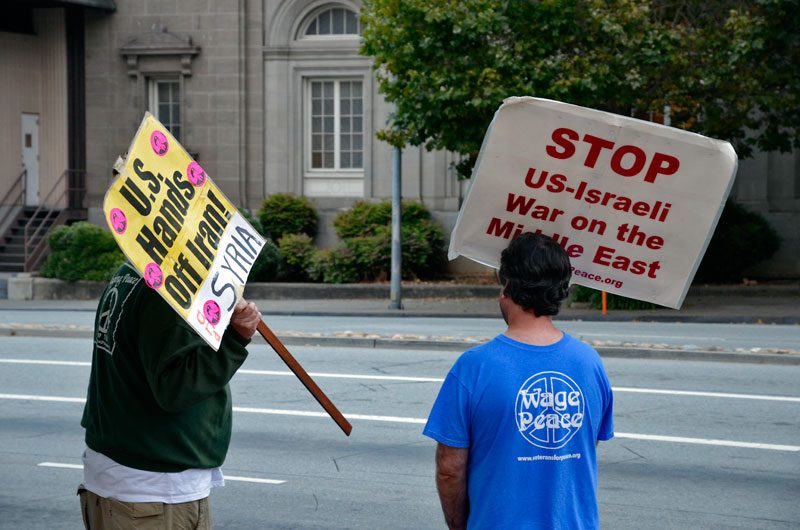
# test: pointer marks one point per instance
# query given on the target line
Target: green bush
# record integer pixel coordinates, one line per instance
(336, 265)
(365, 258)
(296, 251)
(365, 230)
(741, 240)
(284, 213)
(363, 218)
(613, 301)
(424, 254)
(367, 218)
(82, 251)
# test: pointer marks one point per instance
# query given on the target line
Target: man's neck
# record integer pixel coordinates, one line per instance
(527, 328)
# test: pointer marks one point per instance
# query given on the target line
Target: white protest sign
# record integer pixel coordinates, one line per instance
(179, 230)
(633, 203)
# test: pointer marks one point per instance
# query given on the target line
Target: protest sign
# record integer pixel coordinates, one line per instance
(180, 231)
(189, 243)
(634, 203)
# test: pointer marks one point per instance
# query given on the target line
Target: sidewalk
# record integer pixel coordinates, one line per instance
(725, 304)
(751, 304)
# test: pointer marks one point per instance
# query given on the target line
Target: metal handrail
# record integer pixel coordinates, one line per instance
(18, 200)
(27, 239)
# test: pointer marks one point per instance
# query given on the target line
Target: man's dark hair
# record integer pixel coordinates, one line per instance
(535, 271)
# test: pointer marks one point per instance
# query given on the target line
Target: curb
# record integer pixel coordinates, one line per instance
(24, 286)
(610, 352)
(564, 315)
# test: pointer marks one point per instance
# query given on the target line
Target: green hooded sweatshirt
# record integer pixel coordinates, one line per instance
(158, 397)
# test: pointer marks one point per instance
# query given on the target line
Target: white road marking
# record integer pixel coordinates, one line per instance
(366, 417)
(348, 376)
(253, 479)
(399, 419)
(36, 361)
(43, 398)
(370, 377)
(58, 464)
(705, 394)
(227, 477)
(707, 441)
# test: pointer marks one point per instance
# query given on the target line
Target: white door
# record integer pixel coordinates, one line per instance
(30, 156)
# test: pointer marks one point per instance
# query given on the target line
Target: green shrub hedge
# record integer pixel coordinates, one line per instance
(366, 248)
(364, 252)
(297, 252)
(335, 265)
(363, 218)
(82, 251)
(284, 213)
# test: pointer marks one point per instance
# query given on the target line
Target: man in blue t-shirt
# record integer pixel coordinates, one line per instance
(518, 419)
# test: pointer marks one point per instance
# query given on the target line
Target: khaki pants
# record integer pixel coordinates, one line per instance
(100, 513)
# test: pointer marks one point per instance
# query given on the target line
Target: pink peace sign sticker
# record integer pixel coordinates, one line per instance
(118, 220)
(212, 312)
(153, 276)
(159, 143)
(195, 174)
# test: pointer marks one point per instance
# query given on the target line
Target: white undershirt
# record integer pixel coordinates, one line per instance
(106, 478)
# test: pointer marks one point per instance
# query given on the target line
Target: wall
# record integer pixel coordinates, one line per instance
(34, 73)
(222, 105)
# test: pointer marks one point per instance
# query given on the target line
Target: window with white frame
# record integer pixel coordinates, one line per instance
(336, 129)
(165, 103)
(333, 21)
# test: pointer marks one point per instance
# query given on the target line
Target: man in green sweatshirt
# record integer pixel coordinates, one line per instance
(158, 410)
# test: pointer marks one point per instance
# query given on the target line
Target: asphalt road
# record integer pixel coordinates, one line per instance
(698, 445)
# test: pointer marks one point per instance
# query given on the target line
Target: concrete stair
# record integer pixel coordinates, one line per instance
(12, 243)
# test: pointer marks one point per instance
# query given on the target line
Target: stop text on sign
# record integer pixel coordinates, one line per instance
(625, 155)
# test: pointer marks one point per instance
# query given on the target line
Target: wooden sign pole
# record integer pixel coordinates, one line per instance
(301, 374)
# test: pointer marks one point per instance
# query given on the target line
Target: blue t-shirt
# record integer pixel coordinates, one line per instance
(530, 416)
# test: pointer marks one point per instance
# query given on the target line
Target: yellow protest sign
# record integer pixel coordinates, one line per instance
(180, 231)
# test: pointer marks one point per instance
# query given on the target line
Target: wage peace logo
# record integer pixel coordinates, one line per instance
(549, 410)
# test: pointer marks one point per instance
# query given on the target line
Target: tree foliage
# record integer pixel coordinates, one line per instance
(725, 68)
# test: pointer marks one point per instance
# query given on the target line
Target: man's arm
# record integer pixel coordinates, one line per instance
(451, 481)
(181, 368)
